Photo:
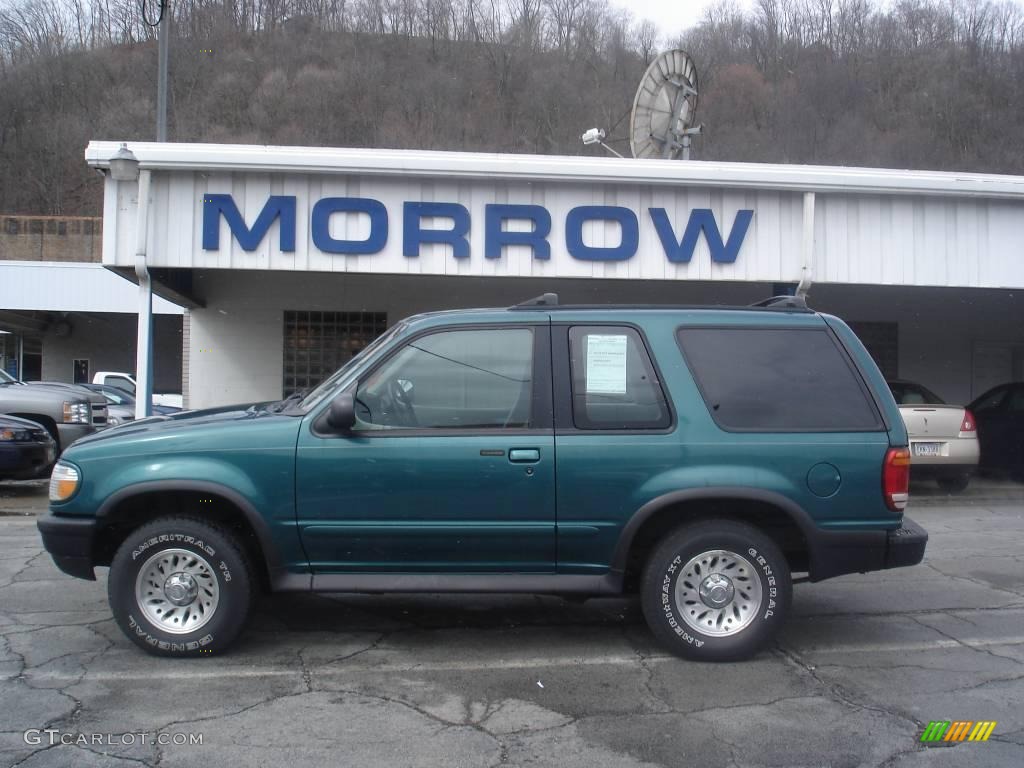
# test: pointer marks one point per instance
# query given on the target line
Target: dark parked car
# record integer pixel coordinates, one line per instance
(999, 414)
(26, 449)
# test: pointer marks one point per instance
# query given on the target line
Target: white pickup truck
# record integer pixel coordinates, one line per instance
(126, 382)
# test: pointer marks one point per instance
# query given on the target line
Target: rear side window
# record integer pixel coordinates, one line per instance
(775, 380)
(614, 384)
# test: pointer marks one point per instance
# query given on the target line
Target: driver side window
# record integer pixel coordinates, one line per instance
(460, 379)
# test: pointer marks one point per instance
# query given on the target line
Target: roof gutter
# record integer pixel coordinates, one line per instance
(233, 158)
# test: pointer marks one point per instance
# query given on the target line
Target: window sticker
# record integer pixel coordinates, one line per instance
(606, 364)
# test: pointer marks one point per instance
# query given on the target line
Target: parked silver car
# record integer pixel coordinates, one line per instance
(943, 438)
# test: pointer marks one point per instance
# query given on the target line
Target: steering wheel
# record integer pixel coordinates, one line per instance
(402, 404)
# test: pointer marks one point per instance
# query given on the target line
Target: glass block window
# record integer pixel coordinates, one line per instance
(318, 343)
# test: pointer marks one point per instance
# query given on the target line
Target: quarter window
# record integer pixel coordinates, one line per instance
(777, 380)
(462, 379)
(614, 384)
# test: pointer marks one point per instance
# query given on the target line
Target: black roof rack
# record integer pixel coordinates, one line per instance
(794, 302)
(549, 302)
(544, 300)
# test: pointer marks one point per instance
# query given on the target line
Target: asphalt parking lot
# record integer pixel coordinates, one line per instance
(863, 665)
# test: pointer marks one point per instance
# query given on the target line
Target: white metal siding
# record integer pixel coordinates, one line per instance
(70, 287)
(871, 227)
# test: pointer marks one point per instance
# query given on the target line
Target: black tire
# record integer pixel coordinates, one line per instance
(665, 567)
(954, 483)
(231, 577)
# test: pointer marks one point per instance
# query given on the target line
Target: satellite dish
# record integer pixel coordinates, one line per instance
(664, 108)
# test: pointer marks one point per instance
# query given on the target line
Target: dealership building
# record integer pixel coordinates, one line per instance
(289, 260)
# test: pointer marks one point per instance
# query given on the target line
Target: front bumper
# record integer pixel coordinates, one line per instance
(26, 461)
(834, 553)
(69, 540)
(71, 432)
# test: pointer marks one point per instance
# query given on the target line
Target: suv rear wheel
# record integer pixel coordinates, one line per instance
(716, 590)
(179, 586)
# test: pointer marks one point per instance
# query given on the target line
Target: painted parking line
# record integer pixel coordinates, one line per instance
(347, 667)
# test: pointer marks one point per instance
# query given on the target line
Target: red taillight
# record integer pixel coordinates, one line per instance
(967, 425)
(896, 478)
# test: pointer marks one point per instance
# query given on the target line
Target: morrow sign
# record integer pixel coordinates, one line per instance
(678, 248)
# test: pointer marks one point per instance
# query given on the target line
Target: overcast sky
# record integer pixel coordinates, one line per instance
(672, 16)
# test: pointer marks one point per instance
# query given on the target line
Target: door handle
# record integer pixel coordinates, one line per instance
(524, 455)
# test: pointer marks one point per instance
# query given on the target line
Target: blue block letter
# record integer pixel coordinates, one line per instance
(574, 233)
(282, 206)
(321, 224)
(413, 236)
(495, 238)
(701, 220)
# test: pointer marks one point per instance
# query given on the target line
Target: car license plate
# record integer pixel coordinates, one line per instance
(927, 449)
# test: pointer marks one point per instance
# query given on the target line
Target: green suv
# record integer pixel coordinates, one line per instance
(699, 456)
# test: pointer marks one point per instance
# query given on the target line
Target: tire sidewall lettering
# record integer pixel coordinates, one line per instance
(771, 588)
(167, 645)
(173, 538)
(668, 605)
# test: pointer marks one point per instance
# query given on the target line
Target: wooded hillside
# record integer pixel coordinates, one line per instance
(914, 83)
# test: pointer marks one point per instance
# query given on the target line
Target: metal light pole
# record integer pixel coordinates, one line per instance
(161, 77)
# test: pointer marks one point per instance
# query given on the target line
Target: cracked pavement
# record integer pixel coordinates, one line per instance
(411, 680)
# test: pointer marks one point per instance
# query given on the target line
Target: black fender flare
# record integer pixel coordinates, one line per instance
(819, 541)
(256, 521)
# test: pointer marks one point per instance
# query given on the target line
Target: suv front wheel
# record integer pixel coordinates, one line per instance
(716, 590)
(179, 586)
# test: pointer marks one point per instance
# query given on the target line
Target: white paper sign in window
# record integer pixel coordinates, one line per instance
(606, 364)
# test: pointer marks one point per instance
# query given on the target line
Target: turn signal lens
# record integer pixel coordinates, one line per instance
(968, 425)
(896, 478)
(63, 482)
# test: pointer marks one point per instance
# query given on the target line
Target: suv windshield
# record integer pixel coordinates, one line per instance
(327, 385)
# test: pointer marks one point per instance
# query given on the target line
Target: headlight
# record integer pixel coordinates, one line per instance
(14, 436)
(63, 482)
(113, 421)
(77, 413)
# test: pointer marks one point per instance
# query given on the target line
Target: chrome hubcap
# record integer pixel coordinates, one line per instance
(718, 593)
(181, 589)
(716, 590)
(177, 591)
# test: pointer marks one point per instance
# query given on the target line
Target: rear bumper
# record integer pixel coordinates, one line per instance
(931, 471)
(905, 546)
(954, 451)
(835, 553)
(69, 540)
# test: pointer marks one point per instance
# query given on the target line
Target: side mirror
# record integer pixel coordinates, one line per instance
(341, 415)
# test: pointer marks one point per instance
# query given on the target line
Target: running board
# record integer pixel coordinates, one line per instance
(537, 583)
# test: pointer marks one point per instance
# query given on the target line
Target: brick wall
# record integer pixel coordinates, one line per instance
(51, 238)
